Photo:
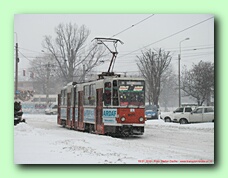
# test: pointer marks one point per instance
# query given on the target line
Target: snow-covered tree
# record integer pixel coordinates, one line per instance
(152, 65)
(198, 82)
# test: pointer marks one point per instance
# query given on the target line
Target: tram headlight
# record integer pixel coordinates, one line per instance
(141, 119)
(123, 119)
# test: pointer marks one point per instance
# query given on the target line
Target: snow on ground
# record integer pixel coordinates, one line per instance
(42, 141)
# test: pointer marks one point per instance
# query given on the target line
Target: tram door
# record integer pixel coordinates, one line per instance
(73, 108)
(99, 126)
(59, 110)
(68, 124)
(80, 111)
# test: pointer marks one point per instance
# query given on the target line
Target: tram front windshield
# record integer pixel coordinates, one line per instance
(132, 93)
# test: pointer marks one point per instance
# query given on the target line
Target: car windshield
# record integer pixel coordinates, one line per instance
(179, 110)
(151, 107)
(188, 109)
(55, 107)
(149, 112)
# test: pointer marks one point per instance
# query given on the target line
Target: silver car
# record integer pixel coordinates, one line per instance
(52, 110)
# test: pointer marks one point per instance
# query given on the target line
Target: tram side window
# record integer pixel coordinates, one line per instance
(115, 101)
(92, 95)
(63, 97)
(75, 96)
(72, 96)
(107, 93)
(86, 95)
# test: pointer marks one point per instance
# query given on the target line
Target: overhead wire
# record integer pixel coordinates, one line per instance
(168, 36)
(146, 45)
(128, 29)
(193, 49)
(30, 50)
(133, 25)
(24, 56)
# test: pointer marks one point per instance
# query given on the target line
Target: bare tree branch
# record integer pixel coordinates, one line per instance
(152, 64)
(69, 50)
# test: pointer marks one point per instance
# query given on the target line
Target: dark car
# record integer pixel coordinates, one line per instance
(150, 114)
(18, 113)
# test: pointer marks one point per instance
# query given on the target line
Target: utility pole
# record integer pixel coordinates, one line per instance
(179, 59)
(16, 72)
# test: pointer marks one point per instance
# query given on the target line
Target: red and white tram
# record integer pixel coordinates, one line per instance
(111, 105)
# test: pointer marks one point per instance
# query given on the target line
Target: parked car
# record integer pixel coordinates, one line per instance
(200, 114)
(151, 112)
(170, 116)
(52, 110)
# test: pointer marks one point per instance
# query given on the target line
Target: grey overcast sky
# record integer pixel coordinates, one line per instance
(142, 30)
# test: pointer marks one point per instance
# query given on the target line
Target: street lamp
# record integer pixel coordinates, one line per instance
(179, 58)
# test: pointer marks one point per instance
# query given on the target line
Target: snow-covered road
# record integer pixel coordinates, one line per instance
(42, 141)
